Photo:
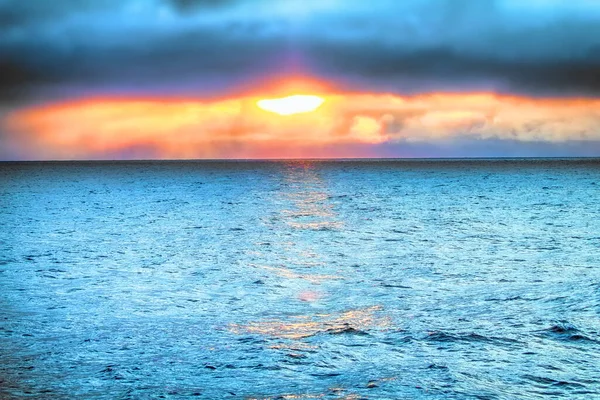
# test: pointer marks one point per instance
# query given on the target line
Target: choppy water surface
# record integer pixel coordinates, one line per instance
(300, 280)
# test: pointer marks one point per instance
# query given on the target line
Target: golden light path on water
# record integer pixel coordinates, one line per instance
(305, 205)
(357, 321)
(287, 273)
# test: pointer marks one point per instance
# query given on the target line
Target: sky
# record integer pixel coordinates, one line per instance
(146, 79)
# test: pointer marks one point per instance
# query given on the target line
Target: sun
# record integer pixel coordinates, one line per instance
(295, 104)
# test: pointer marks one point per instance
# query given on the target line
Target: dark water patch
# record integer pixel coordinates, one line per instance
(349, 330)
(296, 355)
(437, 366)
(542, 381)
(252, 340)
(566, 331)
(550, 367)
(513, 298)
(389, 285)
(469, 338)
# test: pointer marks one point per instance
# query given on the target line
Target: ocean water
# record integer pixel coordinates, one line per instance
(414, 279)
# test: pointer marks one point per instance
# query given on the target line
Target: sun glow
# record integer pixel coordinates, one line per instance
(239, 127)
(290, 105)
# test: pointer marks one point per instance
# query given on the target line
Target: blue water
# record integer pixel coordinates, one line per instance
(463, 279)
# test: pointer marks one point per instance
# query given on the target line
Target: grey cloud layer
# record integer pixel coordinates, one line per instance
(550, 47)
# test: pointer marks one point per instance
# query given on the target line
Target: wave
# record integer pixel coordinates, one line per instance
(566, 331)
(545, 381)
(440, 336)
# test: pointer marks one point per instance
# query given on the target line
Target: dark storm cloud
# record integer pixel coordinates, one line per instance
(447, 69)
(194, 5)
(29, 56)
(20, 13)
(535, 47)
(129, 55)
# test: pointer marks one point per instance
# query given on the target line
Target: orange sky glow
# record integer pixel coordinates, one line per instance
(236, 127)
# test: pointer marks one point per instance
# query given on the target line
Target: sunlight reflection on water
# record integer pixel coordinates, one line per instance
(359, 321)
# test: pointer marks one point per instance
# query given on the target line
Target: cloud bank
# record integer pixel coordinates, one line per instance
(357, 124)
(547, 47)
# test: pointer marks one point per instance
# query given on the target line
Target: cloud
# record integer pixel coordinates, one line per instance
(455, 45)
(69, 47)
(237, 128)
(195, 5)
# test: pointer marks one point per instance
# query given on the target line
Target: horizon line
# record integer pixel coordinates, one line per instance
(334, 159)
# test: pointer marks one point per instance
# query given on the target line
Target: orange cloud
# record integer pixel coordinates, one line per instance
(236, 127)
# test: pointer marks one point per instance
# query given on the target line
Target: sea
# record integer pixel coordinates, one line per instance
(300, 279)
